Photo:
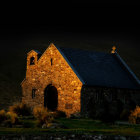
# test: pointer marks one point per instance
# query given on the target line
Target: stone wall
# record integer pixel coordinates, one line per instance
(51, 68)
(93, 96)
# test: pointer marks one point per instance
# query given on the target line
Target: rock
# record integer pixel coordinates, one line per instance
(23, 138)
(100, 137)
(75, 116)
(64, 138)
(55, 125)
(83, 136)
(37, 138)
(51, 138)
(57, 138)
(44, 126)
(122, 138)
(116, 137)
(95, 138)
(72, 136)
(18, 126)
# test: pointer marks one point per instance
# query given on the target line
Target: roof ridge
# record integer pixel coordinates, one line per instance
(37, 51)
(82, 49)
(70, 64)
(34, 51)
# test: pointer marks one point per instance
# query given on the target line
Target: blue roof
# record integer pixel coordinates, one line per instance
(37, 51)
(100, 69)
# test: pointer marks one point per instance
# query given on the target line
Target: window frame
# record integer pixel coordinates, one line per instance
(32, 60)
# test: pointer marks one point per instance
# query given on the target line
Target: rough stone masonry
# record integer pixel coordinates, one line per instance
(51, 68)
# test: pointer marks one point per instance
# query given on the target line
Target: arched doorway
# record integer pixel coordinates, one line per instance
(51, 97)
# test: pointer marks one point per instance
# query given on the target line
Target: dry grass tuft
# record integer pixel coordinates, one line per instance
(42, 115)
(20, 109)
(8, 119)
(135, 116)
(2, 115)
(12, 117)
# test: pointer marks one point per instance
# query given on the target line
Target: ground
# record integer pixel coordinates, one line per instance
(75, 126)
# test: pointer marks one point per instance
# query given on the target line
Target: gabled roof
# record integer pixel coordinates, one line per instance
(34, 51)
(100, 69)
(37, 51)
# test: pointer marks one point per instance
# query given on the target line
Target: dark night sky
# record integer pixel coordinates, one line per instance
(113, 20)
(97, 26)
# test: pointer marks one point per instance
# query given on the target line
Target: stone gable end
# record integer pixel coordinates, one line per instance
(52, 68)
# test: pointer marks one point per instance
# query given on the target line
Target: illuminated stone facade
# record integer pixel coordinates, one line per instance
(51, 81)
(51, 69)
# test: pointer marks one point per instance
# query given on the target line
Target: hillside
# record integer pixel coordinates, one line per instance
(14, 50)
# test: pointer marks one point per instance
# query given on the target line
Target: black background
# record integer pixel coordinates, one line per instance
(98, 26)
(98, 18)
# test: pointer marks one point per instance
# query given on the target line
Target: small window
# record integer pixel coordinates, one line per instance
(32, 61)
(33, 93)
(51, 62)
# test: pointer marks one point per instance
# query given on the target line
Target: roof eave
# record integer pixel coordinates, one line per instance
(127, 68)
(80, 78)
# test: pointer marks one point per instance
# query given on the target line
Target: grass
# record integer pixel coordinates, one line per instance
(75, 126)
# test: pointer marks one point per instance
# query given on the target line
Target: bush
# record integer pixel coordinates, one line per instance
(38, 111)
(8, 119)
(106, 111)
(102, 114)
(12, 117)
(2, 115)
(20, 109)
(135, 116)
(76, 115)
(59, 114)
(127, 107)
(43, 116)
(125, 114)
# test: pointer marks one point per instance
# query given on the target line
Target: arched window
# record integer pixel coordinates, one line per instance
(51, 62)
(32, 61)
(33, 93)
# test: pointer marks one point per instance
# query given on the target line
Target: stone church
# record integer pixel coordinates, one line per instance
(68, 79)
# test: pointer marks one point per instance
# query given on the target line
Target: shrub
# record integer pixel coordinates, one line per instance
(106, 111)
(59, 114)
(127, 107)
(38, 111)
(135, 116)
(76, 115)
(2, 115)
(43, 116)
(125, 114)
(20, 109)
(12, 117)
(8, 119)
